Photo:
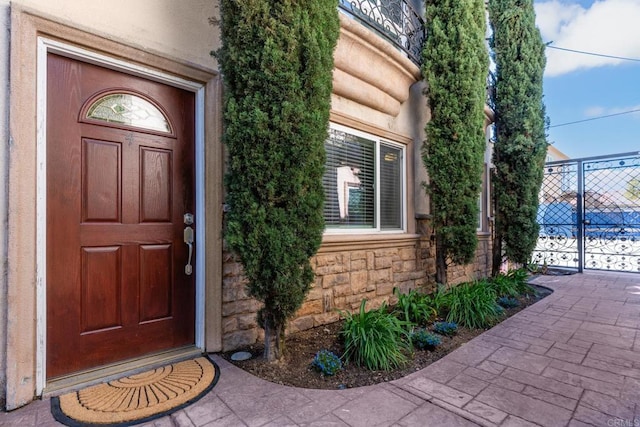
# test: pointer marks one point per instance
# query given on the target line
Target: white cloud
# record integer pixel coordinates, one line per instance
(610, 27)
(595, 112)
(599, 111)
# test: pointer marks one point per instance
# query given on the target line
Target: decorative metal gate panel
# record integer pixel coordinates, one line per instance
(589, 214)
(557, 242)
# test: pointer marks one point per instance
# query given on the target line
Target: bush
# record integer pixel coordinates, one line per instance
(519, 277)
(445, 328)
(503, 286)
(512, 284)
(472, 305)
(425, 340)
(414, 307)
(521, 147)
(454, 65)
(326, 363)
(277, 62)
(508, 302)
(375, 339)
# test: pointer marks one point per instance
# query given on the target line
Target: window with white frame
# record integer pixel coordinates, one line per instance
(364, 182)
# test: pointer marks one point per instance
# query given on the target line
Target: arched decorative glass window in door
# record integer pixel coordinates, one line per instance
(130, 110)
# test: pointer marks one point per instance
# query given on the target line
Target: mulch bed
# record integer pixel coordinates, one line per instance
(294, 369)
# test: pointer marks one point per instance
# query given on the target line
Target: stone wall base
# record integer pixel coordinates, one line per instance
(344, 277)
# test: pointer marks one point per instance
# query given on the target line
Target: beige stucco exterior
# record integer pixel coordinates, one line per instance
(4, 137)
(176, 29)
(370, 71)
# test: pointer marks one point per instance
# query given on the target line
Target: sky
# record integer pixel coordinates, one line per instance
(584, 87)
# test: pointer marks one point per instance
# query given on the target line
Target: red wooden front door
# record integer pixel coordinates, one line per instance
(120, 177)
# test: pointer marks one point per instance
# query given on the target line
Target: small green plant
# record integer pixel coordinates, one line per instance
(440, 300)
(512, 284)
(448, 329)
(502, 285)
(425, 340)
(519, 277)
(473, 305)
(414, 307)
(375, 339)
(326, 363)
(508, 302)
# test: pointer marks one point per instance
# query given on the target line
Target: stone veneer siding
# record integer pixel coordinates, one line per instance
(344, 277)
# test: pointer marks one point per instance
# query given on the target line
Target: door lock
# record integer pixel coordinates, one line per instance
(188, 219)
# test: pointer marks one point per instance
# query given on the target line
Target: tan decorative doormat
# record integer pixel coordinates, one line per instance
(138, 398)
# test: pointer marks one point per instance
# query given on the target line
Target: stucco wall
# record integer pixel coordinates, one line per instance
(417, 105)
(177, 29)
(4, 137)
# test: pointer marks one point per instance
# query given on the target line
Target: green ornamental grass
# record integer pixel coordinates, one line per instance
(375, 339)
(502, 286)
(512, 284)
(520, 277)
(439, 301)
(472, 305)
(414, 307)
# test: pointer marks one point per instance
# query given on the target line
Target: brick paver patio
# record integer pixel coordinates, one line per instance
(572, 359)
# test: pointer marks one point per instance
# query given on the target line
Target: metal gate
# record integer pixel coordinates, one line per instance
(589, 214)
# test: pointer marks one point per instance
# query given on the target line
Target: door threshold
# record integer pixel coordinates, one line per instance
(114, 371)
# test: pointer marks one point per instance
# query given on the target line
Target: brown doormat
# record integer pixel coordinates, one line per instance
(138, 398)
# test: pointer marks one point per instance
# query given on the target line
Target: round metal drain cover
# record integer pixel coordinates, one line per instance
(240, 355)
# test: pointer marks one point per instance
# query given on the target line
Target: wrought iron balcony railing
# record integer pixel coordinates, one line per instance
(396, 20)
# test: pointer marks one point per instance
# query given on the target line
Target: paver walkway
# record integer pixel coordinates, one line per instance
(572, 359)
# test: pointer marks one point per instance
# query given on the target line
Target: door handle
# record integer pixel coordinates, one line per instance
(188, 239)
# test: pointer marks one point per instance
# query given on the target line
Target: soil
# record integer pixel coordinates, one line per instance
(294, 369)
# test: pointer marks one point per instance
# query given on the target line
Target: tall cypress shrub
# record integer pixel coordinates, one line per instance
(277, 61)
(521, 146)
(455, 64)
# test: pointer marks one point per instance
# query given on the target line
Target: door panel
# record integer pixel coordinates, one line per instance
(101, 288)
(155, 282)
(101, 189)
(116, 194)
(155, 185)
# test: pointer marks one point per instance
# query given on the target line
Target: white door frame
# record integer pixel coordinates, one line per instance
(46, 46)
